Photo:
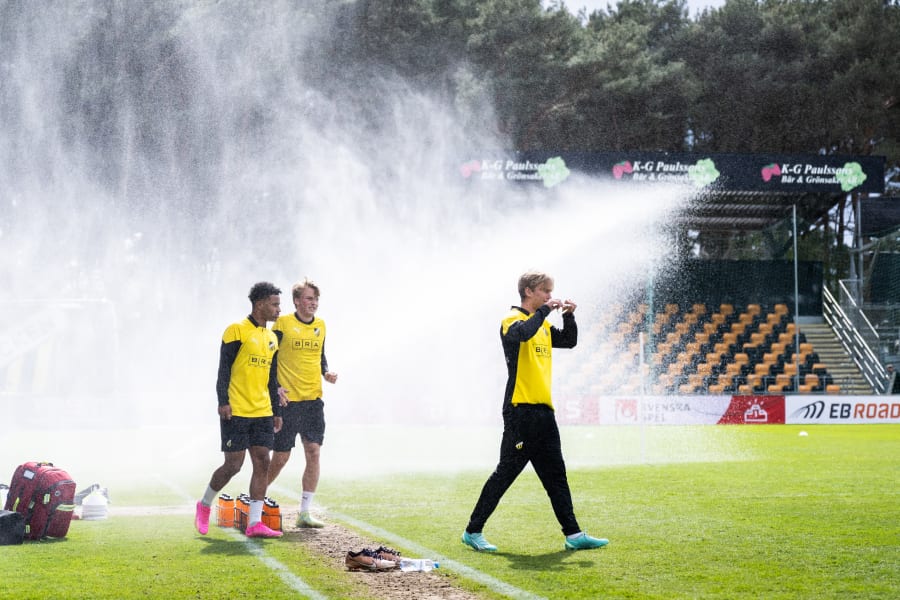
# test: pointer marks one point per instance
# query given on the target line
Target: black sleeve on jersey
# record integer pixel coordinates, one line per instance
(566, 337)
(273, 386)
(324, 360)
(227, 353)
(522, 331)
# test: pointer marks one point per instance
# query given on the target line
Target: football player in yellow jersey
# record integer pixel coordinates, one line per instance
(249, 406)
(301, 367)
(530, 432)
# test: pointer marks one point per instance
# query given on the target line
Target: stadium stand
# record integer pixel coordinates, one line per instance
(724, 349)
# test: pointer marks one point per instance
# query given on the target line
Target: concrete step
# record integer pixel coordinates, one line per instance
(832, 354)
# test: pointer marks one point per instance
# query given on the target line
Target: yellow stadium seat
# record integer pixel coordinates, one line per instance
(753, 380)
(782, 382)
(810, 383)
(733, 369)
(763, 368)
(756, 340)
(676, 368)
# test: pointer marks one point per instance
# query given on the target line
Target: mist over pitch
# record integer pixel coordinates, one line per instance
(156, 161)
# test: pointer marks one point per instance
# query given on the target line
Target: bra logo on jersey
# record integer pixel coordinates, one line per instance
(542, 349)
(306, 344)
(259, 361)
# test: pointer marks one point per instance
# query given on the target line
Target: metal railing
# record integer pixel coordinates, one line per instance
(855, 313)
(885, 317)
(853, 339)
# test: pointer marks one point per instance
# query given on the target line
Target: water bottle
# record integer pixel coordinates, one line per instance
(417, 564)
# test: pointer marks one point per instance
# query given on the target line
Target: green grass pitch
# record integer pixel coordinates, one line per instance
(691, 512)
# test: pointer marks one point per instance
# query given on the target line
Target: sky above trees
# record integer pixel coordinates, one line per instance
(694, 6)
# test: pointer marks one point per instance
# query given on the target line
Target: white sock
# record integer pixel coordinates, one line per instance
(256, 508)
(574, 535)
(209, 496)
(306, 501)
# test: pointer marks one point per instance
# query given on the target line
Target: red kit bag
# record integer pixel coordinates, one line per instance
(45, 496)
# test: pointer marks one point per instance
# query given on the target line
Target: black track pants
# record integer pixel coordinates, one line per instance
(530, 433)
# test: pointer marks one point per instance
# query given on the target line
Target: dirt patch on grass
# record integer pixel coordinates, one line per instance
(334, 541)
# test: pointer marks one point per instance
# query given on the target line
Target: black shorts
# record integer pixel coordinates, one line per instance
(239, 433)
(306, 418)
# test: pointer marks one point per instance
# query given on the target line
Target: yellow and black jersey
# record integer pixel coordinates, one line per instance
(527, 343)
(301, 356)
(247, 368)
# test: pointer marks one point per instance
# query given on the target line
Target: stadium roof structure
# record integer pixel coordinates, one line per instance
(726, 212)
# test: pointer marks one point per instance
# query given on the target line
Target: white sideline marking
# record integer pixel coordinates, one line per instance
(294, 582)
(501, 587)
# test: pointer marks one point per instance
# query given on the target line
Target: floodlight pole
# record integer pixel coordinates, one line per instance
(651, 345)
(796, 306)
(640, 403)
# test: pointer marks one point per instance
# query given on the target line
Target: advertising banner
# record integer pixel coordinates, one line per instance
(671, 410)
(754, 410)
(842, 409)
(726, 410)
(773, 173)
